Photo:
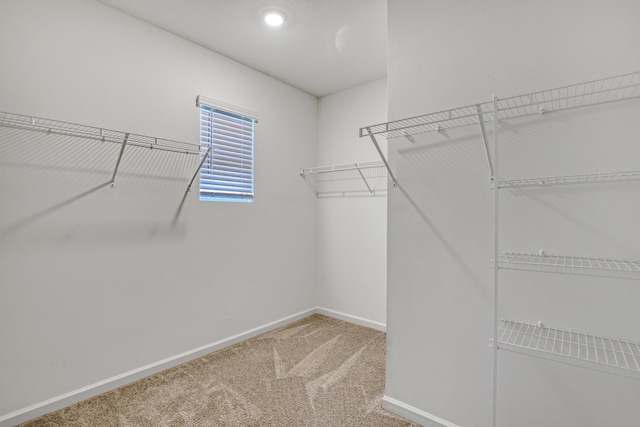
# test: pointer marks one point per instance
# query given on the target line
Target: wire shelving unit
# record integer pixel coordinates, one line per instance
(586, 350)
(90, 133)
(350, 180)
(611, 355)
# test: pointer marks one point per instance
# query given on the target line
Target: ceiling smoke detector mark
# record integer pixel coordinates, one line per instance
(274, 18)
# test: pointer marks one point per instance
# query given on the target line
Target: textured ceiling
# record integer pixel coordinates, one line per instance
(324, 47)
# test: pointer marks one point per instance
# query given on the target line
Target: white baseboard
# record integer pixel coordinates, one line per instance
(414, 414)
(112, 383)
(352, 319)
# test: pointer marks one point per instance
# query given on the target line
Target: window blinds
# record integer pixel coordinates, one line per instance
(227, 173)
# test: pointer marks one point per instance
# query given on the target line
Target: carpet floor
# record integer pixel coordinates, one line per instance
(318, 371)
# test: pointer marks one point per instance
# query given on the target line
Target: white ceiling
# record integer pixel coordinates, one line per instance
(325, 46)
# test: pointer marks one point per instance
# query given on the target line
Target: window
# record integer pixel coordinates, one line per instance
(227, 173)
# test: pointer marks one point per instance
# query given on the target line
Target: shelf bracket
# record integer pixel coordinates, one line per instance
(115, 171)
(484, 137)
(302, 174)
(364, 179)
(408, 136)
(384, 159)
(184, 197)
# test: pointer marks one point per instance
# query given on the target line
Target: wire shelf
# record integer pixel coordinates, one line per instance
(591, 178)
(617, 88)
(611, 355)
(37, 124)
(433, 122)
(355, 179)
(625, 86)
(72, 130)
(607, 267)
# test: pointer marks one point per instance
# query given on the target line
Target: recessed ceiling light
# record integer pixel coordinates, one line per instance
(274, 18)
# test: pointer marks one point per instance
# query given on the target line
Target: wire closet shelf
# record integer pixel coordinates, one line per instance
(564, 264)
(124, 139)
(355, 179)
(625, 86)
(590, 178)
(611, 355)
(37, 124)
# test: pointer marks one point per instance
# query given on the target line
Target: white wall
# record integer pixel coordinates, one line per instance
(352, 230)
(101, 286)
(440, 286)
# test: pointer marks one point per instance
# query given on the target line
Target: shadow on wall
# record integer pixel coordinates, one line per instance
(421, 169)
(460, 260)
(55, 181)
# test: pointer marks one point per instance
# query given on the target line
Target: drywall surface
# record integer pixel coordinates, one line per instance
(102, 285)
(352, 230)
(440, 285)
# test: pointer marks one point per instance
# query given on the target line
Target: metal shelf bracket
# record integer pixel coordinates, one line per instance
(115, 170)
(204, 158)
(484, 137)
(384, 159)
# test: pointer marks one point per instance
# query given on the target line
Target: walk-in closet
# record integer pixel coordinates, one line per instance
(319, 212)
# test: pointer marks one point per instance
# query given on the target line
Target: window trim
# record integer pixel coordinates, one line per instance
(219, 105)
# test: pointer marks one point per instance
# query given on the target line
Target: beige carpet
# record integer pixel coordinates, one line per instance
(318, 371)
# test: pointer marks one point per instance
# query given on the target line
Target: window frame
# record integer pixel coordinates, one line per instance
(228, 173)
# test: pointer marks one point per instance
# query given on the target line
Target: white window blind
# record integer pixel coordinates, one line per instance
(227, 173)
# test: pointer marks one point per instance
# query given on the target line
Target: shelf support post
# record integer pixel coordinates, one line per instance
(204, 158)
(115, 171)
(384, 159)
(484, 136)
(364, 179)
(496, 251)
